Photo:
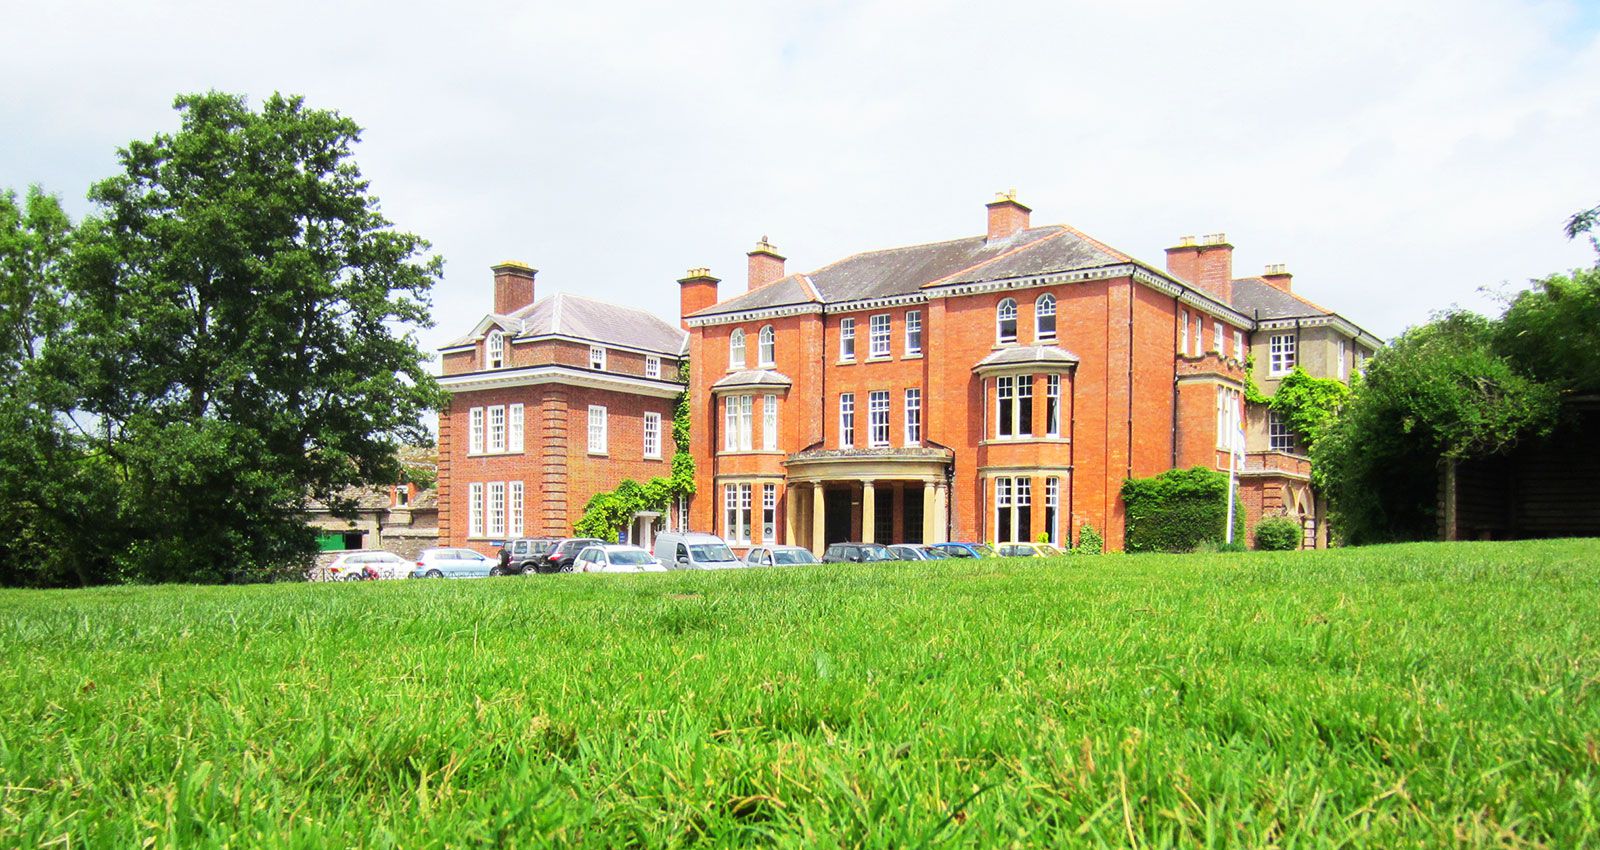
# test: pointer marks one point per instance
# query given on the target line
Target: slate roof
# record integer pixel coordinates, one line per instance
(1027, 354)
(1258, 299)
(905, 270)
(754, 378)
(587, 318)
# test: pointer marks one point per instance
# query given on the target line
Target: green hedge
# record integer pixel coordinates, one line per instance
(1178, 511)
(1278, 534)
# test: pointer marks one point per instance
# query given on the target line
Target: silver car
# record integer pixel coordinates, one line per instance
(616, 558)
(918, 552)
(779, 556)
(453, 563)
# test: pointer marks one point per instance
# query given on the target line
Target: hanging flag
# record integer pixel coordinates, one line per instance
(1236, 443)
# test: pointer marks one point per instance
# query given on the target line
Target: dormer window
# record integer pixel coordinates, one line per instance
(494, 350)
(736, 354)
(1044, 317)
(597, 358)
(766, 350)
(1006, 320)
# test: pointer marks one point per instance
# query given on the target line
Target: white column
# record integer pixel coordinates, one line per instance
(941, 511)
(930, 509)
(819, 518)
(789, 496)
(869, 511)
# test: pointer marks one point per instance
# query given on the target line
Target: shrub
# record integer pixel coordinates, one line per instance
(1278, 534)
(1178, 510)
(1089, 541)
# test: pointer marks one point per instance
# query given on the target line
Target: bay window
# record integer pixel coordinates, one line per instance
(1013, 521)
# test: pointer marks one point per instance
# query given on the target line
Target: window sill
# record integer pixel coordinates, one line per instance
(735, 452)
(911, 355)
(1013, 441)
(880, 358)
(505, 453)
(593, 453)
(850, 362)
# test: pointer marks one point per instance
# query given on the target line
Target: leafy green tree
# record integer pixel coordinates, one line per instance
(1551, 331)
(43, 482)
(234, 335)
(1440, 392)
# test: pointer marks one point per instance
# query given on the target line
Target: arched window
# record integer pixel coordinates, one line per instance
(767, 350)
(1006, 320)
(1044, 317)
(736, 349)
(494, 350)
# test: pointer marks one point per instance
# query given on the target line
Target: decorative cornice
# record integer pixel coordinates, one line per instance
(946, 290)
(528, 376)
(753, 315)
(1333, 320)
(875, 303)
(653, 352)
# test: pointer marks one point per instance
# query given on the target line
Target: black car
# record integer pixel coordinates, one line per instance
(523, 554)
(560, 557)
(858, 553)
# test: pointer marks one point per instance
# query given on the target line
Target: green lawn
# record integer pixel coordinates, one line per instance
(1391, 696)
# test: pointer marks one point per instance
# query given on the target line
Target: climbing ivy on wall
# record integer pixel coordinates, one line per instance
(1309, 405)
(606, 514)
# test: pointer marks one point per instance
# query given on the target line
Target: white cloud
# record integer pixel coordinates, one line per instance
(1397, 156)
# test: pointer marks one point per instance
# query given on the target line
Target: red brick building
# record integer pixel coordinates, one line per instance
(993, 387)
(551, 401)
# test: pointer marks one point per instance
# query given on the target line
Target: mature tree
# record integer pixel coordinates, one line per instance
(37, 460)
(1440, 392)
(235, 314)
(1551, 331)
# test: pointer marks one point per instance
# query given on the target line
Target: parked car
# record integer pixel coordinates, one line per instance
(521, 556)
(616, 558)
(965, 550)
(918, 552)
(453, 563)
(779, 556)
(692, 550)
(354, 566)
(559, 558)
(1028, 550)
(857, 553)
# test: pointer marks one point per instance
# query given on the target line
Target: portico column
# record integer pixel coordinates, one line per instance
(789, 496)
(869, 511)
(930, 514)
(941, 511)
(819, 516)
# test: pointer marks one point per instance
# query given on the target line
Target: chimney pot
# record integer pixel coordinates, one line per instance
(1007, 215)
(696, 291)
(1278, 275)
(513, 286)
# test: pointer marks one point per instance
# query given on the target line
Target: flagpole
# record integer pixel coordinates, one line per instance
(1232, 478)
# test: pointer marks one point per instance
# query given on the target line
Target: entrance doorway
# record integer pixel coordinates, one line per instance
(841, 510)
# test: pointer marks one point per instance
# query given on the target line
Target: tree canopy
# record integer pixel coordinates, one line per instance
(228, 335)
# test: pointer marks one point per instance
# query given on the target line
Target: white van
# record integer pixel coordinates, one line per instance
(692, 550)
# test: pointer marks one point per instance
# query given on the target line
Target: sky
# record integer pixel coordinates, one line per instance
(1401, 158)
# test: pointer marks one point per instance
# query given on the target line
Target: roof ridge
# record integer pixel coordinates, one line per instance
(849, 257)
(1000, 256)
(1095, 242)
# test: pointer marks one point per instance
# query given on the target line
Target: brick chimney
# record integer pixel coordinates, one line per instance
(1205, 263)
(513, 286)
(696, 291)
(1007, 215)
(1278, 275)
(766, 264)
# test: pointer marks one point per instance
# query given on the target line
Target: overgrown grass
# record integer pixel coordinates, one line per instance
(1422, 695)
